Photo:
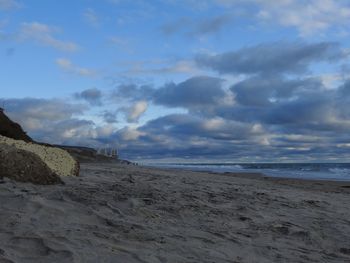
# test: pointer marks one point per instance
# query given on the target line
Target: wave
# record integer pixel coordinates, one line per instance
(317, 171)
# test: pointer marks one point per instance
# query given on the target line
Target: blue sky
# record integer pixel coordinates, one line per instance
(233, 80)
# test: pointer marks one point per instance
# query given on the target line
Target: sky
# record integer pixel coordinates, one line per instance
(181, 80)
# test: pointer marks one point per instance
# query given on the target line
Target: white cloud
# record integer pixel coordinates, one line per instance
(307, 16)
(9, 4)
(43, 34)
(135, 112)
(91, 17)
(68, 66)
(163, 67)
(214, 124)
(130, 134)
(105, 130)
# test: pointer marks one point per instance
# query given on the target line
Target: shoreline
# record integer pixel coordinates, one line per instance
(251, 175)
(259, 173)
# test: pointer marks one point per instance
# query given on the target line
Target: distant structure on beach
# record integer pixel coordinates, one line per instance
(109, 152)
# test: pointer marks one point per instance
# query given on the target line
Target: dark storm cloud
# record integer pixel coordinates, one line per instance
(271, 58)
(92, 96)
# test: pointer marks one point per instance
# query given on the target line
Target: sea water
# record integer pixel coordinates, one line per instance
(313, 171)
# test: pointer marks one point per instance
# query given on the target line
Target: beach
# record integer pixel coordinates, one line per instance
(127, 213)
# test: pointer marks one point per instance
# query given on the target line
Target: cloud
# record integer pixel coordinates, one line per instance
(91, 17)
(265, 91)
(129, 134)
(132, 92)
(271, 117)
(44, 35)
(37, 115)
(118, 41)
(201, 27)
(187, 67)
(135, 111)
(56, 121)
(93, 96)
(9, 5)
(69, 67)
(185, 136)
(42, 109)
(212, 25)
(175, 26)
(196, 91)
(193, 93)
(109, 116)
(271, 58)
(184, 126)
(309, 17)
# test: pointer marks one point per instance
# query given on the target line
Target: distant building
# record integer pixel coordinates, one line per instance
(108, 152)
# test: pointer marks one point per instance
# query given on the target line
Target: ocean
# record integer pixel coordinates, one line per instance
(310, 171)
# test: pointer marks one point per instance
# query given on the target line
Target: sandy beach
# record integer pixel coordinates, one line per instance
(124, 213)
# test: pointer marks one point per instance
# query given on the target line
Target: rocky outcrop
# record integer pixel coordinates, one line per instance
(11, 129)
(25, 160)
(25, 166)
(58, 160)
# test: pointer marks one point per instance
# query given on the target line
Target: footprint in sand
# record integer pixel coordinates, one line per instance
(34, 249)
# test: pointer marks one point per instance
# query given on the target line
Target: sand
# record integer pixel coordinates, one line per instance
(123, 213)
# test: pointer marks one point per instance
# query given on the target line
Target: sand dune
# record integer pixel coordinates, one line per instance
(119, 213)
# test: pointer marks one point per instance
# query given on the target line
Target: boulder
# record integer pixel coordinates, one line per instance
(58, 160)
(25, 166)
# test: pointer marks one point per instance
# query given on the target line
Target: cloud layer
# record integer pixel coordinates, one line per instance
(240, 80)
(271, 58)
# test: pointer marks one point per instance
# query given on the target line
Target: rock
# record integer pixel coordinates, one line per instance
(24, 166)
(25, 160)
(59, 161)
(11, 129)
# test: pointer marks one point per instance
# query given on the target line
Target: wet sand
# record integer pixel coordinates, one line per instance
(123, 213)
